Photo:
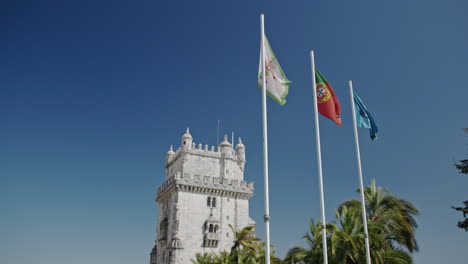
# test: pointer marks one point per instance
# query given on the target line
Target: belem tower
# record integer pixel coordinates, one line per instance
(203, 194)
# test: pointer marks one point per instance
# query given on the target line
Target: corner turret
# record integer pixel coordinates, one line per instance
(186, 142)
(240, 151)
(225, 148)
(169, 154)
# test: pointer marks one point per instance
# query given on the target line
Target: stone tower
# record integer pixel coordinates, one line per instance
(203, 194)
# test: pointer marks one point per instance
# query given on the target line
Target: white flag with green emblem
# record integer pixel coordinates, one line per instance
(277, 85)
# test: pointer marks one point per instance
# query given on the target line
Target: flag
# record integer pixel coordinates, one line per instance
(277, 85)
(363, 117)
(327, 102)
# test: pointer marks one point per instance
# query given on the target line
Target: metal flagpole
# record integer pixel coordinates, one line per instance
(319, 160)
(266, 217)
(358, 155)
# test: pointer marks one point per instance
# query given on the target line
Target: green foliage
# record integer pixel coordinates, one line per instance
(393, 215)
(462, 166)
(247, 249)
(205, 259)
(463, 169)
(391, 227)
(463, 224)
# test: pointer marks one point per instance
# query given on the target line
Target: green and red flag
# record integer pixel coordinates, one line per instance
(327, 102)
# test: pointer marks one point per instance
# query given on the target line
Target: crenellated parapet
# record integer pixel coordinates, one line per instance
(223, 150)
(206, 185)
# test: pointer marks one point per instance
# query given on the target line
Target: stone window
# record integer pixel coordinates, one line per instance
(211, 201)
(211, 229)
(216, 228)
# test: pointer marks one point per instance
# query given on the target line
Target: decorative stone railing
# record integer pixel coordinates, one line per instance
(213, 236)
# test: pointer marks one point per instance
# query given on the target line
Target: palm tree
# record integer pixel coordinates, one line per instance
(246, 245)
(391, 227)
(223, 258)
(246, 249)
(347, 242)
(395, 216)
(313, 252)
(205, 259)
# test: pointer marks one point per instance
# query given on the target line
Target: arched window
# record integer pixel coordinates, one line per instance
(216, 228)
(210, 229)
(208, 201)
(213, 202)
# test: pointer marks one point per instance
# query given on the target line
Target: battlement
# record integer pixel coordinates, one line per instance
(198, 150)
(223, 150)
(206, 184)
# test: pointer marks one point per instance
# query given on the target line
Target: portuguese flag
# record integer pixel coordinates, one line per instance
(327, 102)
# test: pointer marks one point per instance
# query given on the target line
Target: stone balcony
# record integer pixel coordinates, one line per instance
(213, 236)
(211, 240)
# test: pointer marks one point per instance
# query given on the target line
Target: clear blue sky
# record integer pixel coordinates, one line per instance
(92, 93)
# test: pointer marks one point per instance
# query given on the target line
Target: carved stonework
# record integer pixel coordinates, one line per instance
(204, 192)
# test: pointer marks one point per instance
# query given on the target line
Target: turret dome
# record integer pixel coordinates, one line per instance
(186, 141)
(239, 144)
(225, 147)
(225, 142)
(170, 152)
(187, 134)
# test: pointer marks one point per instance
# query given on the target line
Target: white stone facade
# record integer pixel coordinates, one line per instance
(203, 194)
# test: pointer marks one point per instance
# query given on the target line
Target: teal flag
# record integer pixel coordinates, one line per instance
(363, 117)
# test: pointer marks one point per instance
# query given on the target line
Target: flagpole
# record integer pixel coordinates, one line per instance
(266, 217)
(319, 160)
(358, 155)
